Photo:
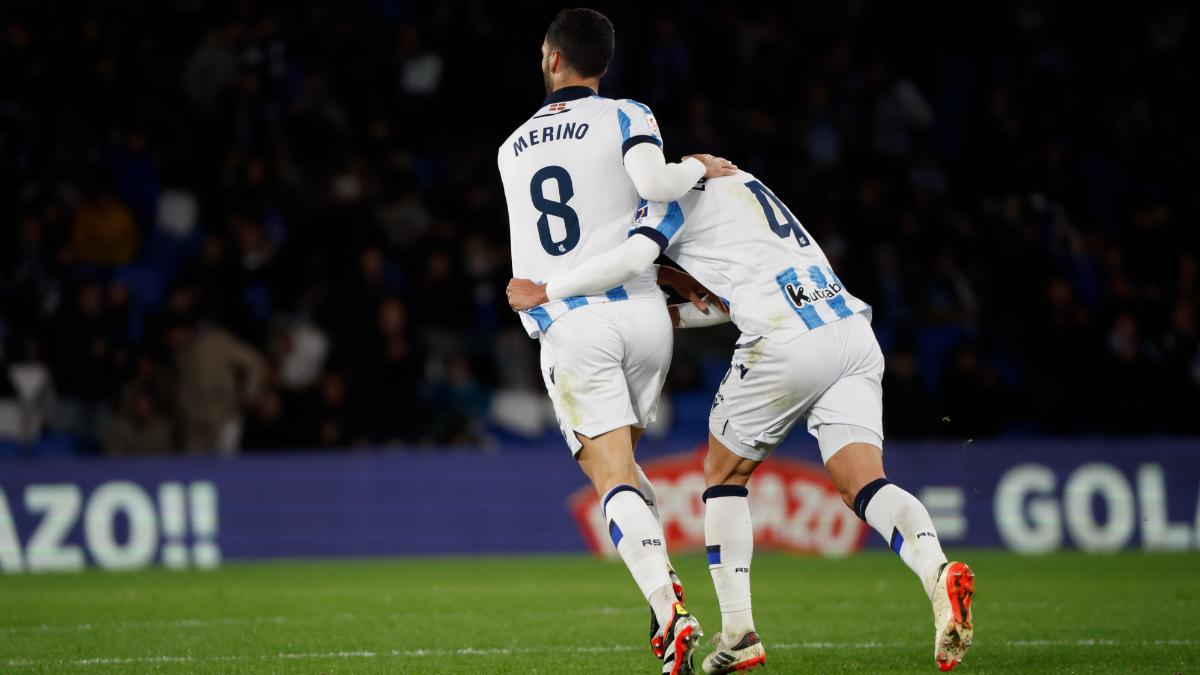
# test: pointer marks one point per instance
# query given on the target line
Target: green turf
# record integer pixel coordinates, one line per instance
(1056, 614)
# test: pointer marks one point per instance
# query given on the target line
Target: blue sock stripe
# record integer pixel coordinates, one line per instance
(615, 533)
(897, 541)
(724, 491)
(866, 493)
(613, 493)
(714, 554)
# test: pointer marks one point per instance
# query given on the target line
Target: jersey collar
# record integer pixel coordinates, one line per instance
(568, 94)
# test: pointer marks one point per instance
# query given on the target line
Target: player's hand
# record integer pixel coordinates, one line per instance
(690, 289)
(525, 294)
(715, 167)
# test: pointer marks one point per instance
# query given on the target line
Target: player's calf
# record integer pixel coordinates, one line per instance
(639, 540)
(904, 523)
(651, 496)
(898, 517)
(729, 544)
(729, 536)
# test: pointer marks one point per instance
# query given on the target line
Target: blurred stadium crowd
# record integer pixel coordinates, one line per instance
(264, 225)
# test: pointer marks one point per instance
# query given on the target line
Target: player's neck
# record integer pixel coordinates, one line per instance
(592, 83)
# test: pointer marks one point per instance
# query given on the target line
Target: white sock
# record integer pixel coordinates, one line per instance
(903, 522)
(729, 540)
(651, 496)
(639, 539)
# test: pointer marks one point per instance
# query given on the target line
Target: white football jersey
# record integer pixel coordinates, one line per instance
(739, 240)
(568, 194)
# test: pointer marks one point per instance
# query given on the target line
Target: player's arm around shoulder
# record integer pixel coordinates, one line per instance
(658, 181)
(642, 152)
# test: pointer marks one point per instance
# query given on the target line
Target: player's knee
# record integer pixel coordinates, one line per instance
(722, 468)
(847, 490)
(853, 458)
(608, 461)
(848, 496)
(605, 478)
(851, 487)
(715, 470)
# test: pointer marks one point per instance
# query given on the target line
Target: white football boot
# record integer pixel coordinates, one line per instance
(745, 654)
(952, 625)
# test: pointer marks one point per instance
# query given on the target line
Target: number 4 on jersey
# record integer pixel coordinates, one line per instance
(790, 226)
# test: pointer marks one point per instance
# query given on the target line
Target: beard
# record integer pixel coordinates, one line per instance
(546, 80)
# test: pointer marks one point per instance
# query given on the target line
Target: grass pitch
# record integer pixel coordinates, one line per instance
(1064, 613)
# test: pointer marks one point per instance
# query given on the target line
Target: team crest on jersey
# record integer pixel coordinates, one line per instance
(642, 212)
(557, 107)
(653, 124)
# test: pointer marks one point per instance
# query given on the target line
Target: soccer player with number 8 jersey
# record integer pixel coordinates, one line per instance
(575, 175)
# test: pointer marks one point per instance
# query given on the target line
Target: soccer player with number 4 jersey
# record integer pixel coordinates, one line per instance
(807, 352)
(575, 175)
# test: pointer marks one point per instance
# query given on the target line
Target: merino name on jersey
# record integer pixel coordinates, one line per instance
(560, 132)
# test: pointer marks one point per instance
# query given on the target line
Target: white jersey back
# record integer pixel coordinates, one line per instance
(738, 239)
(568, 194)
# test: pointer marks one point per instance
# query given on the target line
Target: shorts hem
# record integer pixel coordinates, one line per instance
(593, 430)
(735, 445)
(871, 437)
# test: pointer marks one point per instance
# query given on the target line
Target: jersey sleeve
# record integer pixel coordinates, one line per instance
(659, 221)
(637, 125)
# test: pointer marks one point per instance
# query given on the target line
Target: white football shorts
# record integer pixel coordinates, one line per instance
(832, 374)
(604, 366)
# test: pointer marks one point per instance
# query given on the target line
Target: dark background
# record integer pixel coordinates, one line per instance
(286, 217)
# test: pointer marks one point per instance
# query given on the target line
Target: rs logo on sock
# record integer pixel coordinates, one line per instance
(652, 542)
(742, 569)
